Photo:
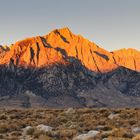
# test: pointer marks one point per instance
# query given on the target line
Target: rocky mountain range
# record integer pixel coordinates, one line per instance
(63, 70)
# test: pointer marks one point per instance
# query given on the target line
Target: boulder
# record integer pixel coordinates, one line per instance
(112, 116)
(136, 130)
(27, 129)
(44, 128)
(70, 111)
(89, 135)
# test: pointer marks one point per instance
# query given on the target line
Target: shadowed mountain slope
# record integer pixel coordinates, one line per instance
(70, 85)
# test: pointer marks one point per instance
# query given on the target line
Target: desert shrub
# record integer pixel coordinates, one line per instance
(120, 132)
(128, 135)
(30, 131)
(104, 128)
(69, 133)
(13, 138)
(45, 138)
(106, 134)
(102, 122)
(16, 133)
(137, 137)
(62, 119)
(4, 128)
(117, 111)
(38, 133)
(132, 122)
(3, 117)
(85, 110)
(15, 116)
(1, 137)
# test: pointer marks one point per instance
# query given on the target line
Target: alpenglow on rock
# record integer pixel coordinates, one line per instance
(59, 44)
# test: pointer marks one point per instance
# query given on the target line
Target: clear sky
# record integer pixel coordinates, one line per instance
(112, 24)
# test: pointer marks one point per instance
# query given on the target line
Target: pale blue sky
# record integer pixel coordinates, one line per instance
(112, 24)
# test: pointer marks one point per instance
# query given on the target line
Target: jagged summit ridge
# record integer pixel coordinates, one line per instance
(63, 70)
(60, 44)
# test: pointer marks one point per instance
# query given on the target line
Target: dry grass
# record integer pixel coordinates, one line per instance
(137, 137)
(68, 125)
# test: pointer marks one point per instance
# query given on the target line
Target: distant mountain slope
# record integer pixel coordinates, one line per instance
(70, 85)
(66, 70)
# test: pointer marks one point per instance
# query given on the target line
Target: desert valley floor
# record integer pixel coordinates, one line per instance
(70, 124)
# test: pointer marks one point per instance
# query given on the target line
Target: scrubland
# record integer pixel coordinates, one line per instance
(70, 124)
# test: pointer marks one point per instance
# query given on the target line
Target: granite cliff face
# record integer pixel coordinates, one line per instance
(66, 70)
(62, 43)
(129, 58)
(3, 50)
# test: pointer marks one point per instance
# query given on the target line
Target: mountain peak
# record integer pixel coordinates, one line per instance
(63, 34)
(64, 30)
(60, 44)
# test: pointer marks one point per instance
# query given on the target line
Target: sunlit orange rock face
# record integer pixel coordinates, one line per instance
(32, 52)
(3, 50)
(91, 56)
(61, 44)
(129, 58)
